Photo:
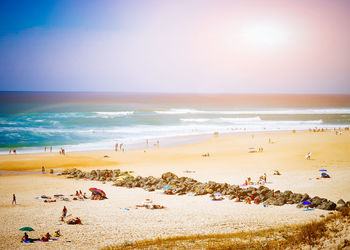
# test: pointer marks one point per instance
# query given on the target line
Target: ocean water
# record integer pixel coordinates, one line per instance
(83, 121)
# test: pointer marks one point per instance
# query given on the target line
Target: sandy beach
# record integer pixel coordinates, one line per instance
(116, 220)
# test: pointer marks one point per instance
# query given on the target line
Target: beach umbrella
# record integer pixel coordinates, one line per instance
(97, 190)
(27, 229)
(323, 170)
(306, 203)
(166, 187)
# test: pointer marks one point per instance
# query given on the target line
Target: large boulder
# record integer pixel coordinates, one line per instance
(341, 202)
(168, 176)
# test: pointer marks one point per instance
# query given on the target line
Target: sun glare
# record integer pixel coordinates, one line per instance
(265, 34)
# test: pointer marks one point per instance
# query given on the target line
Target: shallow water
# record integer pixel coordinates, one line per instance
(84, 121)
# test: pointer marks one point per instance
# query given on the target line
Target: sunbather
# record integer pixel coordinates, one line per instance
(74, 221)
(25, 237)
(57, 233)
(157, 207)
(47, 237)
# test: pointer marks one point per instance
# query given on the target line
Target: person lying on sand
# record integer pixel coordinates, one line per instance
(151, 206)
(48, 201)
(74, 221)
(276, 172)
(237, 199)
(47, 237)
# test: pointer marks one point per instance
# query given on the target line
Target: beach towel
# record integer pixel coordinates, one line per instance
(309, 209)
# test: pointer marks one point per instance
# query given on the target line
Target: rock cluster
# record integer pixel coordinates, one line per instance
(184, 185)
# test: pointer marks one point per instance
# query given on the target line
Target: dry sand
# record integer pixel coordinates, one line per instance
(107, 222)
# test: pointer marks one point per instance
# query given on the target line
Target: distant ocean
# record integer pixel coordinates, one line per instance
(96, 121)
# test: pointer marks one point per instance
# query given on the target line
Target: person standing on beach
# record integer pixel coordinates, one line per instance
(45, 149)
(14, 150)
(14, 199)
(10, 151)
(50, 149)
(43, 169)
(64, 212)
(116, 147)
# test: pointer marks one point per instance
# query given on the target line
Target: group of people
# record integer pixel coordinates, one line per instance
(62, 151)
(80, 194)
(155, 144)
(261, 181)
(43, 238)
(12, 150)
(46, 148)
(248, 200)
(97, 196)
(119, 146)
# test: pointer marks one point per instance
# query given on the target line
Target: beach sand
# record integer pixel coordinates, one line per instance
(107, 222)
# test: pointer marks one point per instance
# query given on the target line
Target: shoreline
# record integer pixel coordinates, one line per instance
(170, 141)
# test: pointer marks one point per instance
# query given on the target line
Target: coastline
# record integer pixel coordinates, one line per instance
(169, 141)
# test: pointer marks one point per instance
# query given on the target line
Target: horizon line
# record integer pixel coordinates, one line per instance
(159, 93)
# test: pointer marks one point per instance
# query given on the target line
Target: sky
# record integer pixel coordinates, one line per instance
(237, 46)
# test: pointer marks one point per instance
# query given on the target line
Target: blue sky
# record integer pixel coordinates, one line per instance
(175, 46)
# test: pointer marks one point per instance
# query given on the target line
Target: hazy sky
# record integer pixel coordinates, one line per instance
(296, 46)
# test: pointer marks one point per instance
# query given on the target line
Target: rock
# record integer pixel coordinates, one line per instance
(316, 201)
(341, 202)
(118, 183)
(305, 197)
(169, 176)
(209, 190)
(330, 206)
(280, 201)
(200, 191)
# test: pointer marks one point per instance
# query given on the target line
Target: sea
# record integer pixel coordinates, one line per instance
(30, 121)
